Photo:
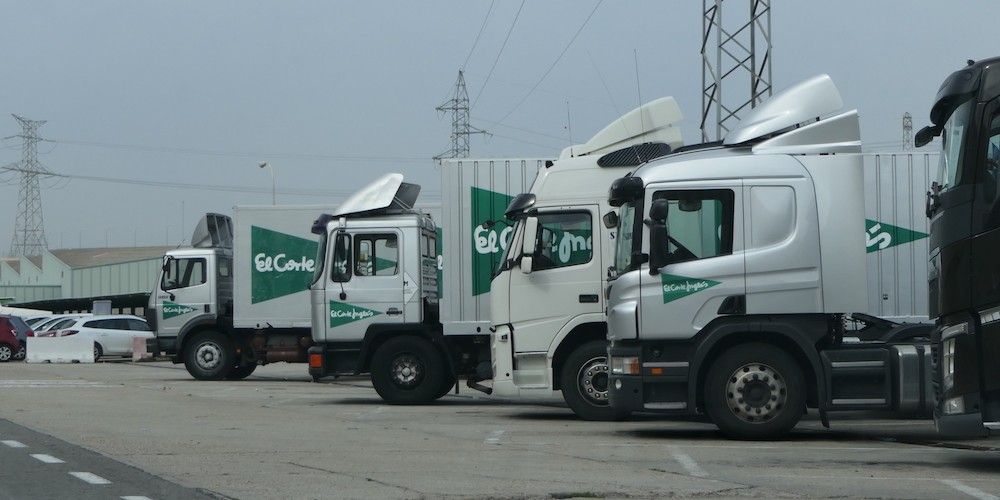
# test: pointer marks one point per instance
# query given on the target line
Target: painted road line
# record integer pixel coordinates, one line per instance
(14, 444)
(687, 462)
(47, 459)
(135, 497)
(969, 490)
(89, 477)
(494, 437)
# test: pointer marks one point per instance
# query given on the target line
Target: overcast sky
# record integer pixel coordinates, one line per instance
(334, 93)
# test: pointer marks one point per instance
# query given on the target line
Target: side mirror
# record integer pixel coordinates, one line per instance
(528, 243)
(610, 220)
(658, 239)
(926, 135)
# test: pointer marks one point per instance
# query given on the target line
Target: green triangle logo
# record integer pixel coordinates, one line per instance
(342, 313)
(488, 244)
(676, 287)
(879, 235)
(173, 309)
(282, 264)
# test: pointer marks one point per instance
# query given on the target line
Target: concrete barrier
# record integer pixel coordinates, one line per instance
(70, 349)
(140, 351)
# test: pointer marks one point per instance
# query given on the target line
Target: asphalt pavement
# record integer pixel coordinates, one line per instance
(152, 431)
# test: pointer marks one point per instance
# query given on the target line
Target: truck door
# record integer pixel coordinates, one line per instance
(182, 294)
(565, 280)
(366, 283)
(705, 276)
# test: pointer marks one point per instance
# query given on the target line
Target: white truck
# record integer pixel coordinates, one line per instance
(239, 296)
(415, 339)
(735, 268)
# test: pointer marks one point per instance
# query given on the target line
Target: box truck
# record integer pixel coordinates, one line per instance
(735, 268)
(239, 296)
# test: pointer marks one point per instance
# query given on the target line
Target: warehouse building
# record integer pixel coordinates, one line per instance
(71, 279)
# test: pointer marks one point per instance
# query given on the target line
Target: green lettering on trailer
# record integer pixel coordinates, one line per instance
(282, 264)
(488, 244)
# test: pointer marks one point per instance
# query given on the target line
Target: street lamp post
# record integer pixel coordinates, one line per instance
(271, 170)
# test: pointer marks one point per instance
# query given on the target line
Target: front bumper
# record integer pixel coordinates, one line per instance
(658, 387)
(957, 409)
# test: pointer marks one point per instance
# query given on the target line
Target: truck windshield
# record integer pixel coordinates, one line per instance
(626, 234)
(320, 257)
(952, 139)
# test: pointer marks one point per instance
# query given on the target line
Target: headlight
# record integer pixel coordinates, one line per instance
(948, 363)
(628, 365)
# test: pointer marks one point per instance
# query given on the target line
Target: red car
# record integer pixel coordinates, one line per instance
(10, 346)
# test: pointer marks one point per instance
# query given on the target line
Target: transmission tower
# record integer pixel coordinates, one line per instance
(460, 128)
(733, 55)
(29, 228)
(907, 132)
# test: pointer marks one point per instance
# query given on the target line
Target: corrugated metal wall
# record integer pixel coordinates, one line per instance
(114, 279)
(27, 293)
(896, 185)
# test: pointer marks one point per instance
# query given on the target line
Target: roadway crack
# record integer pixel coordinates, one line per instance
(360, 477)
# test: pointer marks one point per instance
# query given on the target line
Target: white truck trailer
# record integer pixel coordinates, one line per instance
(735, 268)
(239, 296)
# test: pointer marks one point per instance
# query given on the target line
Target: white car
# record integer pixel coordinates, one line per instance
(47, 327)
(112, 334)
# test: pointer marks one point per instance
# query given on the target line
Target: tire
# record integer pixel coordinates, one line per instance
(584, 380)
(6, 352)
(241, 372)
(21, 354)
(408, 370)
(98, 351)
(209, 356)
(755, 391)
(449, 383)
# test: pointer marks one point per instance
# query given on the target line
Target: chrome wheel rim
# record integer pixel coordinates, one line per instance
(407, 371)
(756, 393)
(592, 380)
(5, 353)
(208, 355)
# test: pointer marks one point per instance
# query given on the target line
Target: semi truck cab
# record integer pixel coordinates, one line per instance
(546, 297)
(964, 273)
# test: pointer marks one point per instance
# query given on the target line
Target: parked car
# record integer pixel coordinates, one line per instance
(34, 320)
(9, 345)
(46, 328)
(112, 334)
(22, 331)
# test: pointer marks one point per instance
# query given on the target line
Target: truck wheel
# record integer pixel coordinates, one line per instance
(241, 372)
(584, 379)
(447, 386)
(408, 370)
(209, 356)
(755, 391)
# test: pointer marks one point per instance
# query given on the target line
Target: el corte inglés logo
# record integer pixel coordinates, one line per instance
(172, 310)
(676, 287)
(282, 264)
(342, 313)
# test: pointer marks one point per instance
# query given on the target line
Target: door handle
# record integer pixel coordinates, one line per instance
(588, 298)
(393, 311)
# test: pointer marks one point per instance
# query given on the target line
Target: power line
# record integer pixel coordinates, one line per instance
(495, 61)
(237, 154)
(553, 65)
(201, 187)
(481, 28)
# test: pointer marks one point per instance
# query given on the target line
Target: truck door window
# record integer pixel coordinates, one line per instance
(341, 268)
(376, 255)
(991, 174)
(699, 223)
(183, 273)
(564, 239)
